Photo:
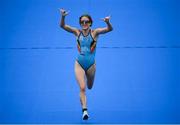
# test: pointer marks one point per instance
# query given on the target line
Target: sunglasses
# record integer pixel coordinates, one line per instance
(85, 22)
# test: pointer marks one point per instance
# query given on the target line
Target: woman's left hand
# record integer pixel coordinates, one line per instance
(106, 19)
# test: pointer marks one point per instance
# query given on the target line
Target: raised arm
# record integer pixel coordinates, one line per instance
(62, 24)
(105, 29)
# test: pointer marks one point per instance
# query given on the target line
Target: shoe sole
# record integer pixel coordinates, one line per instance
(85, 117)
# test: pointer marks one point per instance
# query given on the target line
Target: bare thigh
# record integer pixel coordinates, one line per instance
(90, 74)
(80, 76)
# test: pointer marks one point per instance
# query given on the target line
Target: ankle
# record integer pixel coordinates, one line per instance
(84, 109)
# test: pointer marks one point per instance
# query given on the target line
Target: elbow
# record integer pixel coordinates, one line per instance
(62, 25)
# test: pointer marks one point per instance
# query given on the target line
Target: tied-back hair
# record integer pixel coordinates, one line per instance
(88, 16)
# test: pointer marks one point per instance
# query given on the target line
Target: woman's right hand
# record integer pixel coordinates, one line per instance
(64, 12)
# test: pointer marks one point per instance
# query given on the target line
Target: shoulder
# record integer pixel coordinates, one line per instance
(78, 32)
(96, 31)
(94, 34)
(93, 31)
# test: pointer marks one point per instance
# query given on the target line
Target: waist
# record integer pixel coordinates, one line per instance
(86, 57)
(86, 54)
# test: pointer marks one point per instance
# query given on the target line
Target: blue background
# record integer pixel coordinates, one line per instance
(138, 63)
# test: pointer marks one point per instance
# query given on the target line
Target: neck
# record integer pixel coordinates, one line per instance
(85, 30)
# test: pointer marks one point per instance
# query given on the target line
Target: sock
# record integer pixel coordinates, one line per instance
(84, 109)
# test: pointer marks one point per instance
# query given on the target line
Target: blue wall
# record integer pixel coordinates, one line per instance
(138, 64)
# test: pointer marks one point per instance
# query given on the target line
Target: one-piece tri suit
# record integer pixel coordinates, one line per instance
(87, 50)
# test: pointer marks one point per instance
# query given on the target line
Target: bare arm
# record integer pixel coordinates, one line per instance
(105, 29)
(67, 27)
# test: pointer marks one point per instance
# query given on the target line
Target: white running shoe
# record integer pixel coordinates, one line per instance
(85, 115)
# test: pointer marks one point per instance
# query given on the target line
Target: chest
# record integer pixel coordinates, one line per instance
(85, 40)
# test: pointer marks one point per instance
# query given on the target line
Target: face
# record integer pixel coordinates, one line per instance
(85, 23)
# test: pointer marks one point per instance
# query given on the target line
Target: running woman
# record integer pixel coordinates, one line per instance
(85, 66)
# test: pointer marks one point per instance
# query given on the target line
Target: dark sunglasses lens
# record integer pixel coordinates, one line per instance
(85, 22)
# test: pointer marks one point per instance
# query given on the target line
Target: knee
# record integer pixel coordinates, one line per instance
(89, 87)
(89, 84)
(82, 89)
